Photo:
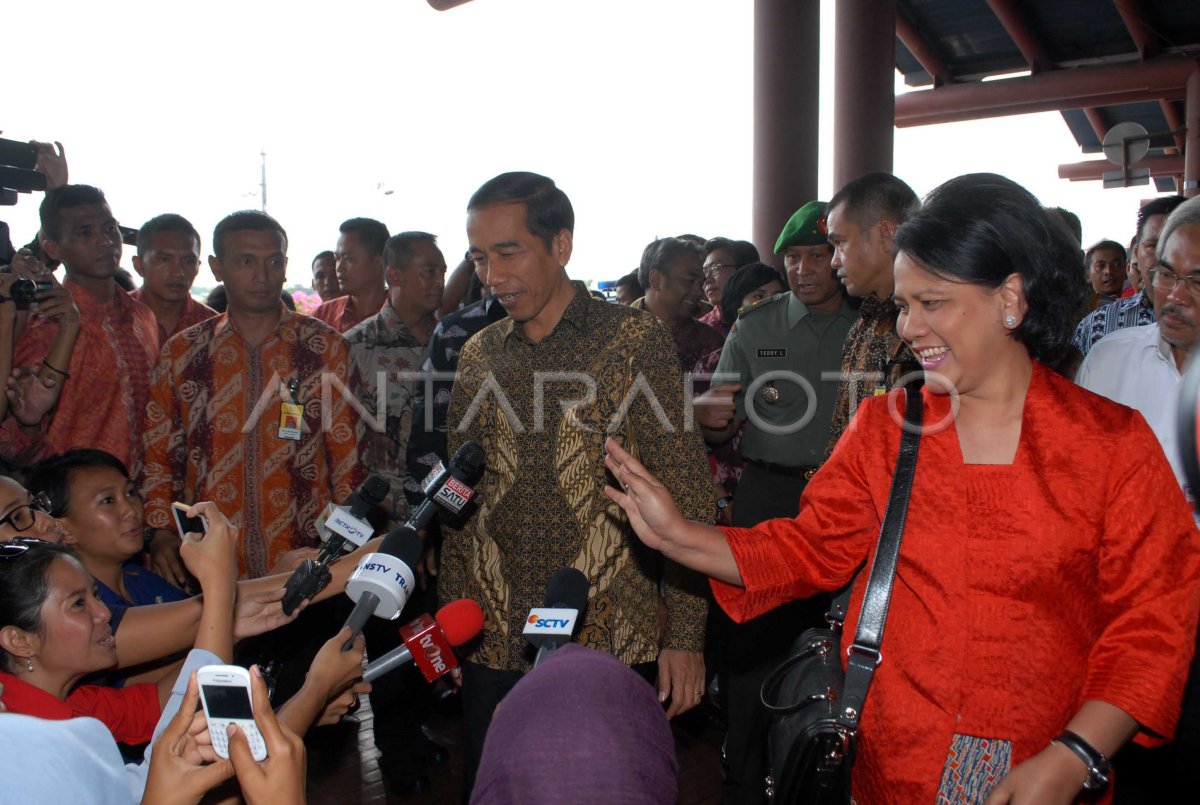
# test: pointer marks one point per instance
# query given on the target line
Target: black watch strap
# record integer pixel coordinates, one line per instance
(1099, 767)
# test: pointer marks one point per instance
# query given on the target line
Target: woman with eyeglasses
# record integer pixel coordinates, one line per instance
(1046, 597)
(54, 631)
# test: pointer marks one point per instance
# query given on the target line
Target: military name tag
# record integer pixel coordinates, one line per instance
(772, 352)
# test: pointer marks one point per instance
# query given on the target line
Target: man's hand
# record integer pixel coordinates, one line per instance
(30, 395)
(164, 557)
(259, 612)
(279, 778)
(51, 161)
(57, 305)
(715, 408)
(1054, 776)
(178, 773)
(680, 679)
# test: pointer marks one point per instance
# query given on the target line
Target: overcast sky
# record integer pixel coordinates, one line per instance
(639, 109)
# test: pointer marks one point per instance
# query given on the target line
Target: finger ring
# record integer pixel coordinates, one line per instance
(698, 693)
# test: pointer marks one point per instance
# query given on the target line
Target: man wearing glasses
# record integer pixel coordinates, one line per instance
(723, 257)
(1140, 366)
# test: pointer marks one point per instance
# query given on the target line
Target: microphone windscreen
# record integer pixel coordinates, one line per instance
(469, 459)
(404, 544)
(567, 588)
(375, 489)
(461, 620)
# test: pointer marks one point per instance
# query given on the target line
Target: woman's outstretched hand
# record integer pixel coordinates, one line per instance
(648, 503)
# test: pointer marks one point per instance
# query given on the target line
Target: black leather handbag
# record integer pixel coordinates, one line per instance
(815, 705)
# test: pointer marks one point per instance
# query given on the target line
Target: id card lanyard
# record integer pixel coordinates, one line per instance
(291, 414)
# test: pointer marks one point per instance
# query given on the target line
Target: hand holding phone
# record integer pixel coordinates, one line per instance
(281, 777)
(225, 694)
(187, 525)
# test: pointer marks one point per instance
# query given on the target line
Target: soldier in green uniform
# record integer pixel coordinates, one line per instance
(786, 355)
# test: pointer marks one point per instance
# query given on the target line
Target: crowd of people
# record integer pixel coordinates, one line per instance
(713, 450)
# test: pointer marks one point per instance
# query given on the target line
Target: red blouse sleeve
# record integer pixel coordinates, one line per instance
(840, 513)
(1149, 593)
(130, 713)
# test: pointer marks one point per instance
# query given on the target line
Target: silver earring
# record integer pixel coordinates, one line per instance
(29, 664)
(1010, 321)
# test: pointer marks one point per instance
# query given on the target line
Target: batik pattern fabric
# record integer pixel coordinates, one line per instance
(213, 432)
(104, 400)
(193, 313)
(1133, 311)
(384, 354)
(875, 357)
(338, 314)
(541, 502)
(974, 766)
(715, 319)
(724, 460)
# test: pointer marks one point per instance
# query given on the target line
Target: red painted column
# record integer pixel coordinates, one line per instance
(787, 66)
(863, 88)
(1191, 148)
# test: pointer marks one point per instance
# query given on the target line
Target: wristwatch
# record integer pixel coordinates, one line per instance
(723, 504)
(1099, 767)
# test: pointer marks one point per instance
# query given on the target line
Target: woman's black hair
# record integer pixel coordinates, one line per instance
(743, 281)
(24, 586)
(52, 476)
(981, 228)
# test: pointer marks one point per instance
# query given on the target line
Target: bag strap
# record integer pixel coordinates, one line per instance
(864, 654)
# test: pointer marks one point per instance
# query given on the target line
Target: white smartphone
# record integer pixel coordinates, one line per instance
(225, 694)
(185, 524)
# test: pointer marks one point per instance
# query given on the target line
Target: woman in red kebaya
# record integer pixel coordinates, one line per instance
(1043, 611)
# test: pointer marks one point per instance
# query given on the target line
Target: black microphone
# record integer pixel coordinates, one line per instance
(449, 487)
(554, 624)
(341, 524)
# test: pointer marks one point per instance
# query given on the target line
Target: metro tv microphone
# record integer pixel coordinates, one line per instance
(429, 641)
(553, 625)
(337, 526)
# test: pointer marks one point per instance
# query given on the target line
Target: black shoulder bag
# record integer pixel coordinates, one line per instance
(815, 706)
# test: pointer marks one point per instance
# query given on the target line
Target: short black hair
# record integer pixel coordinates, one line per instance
(662, 252)
(53, 475)
(372, 234)
(1164, 205)
(743, 281)
(1106, 246)
(548, 211)
(62, 198)
(399, 249)
(980, 228)
(1070, 220)
(24, 586)
(325, 255)
(167, 222)
(242, 221)
(631, 279)
(874, 197)
(744, 252)
(217, 299)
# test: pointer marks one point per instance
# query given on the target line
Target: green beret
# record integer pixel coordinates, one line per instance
(806, 227)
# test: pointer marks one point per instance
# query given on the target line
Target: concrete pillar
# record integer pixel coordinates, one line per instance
(787, 66)
(863, 88)
(1191, 148)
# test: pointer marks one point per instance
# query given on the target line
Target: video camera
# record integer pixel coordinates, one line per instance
(17, 170)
